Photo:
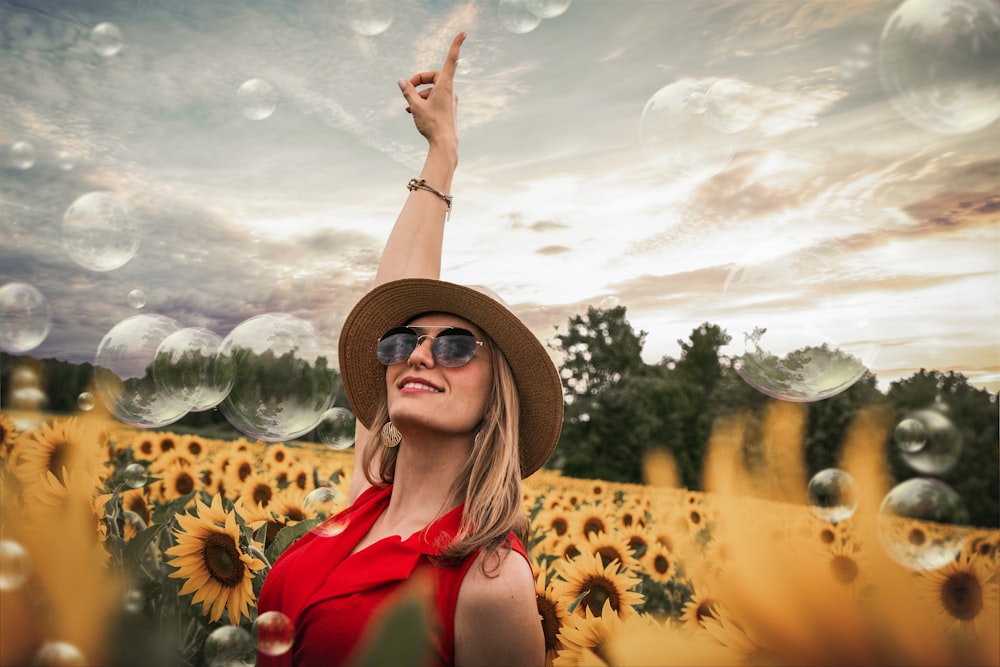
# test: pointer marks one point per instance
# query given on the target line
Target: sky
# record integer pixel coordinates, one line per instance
(824, 171)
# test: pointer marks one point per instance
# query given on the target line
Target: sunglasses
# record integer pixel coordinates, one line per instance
(451, 347)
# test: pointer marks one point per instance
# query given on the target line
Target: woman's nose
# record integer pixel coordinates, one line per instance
(421, 355)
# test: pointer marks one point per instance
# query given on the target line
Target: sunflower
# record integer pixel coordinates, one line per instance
(301, 476)
(256, 490)
(143, 446)
(729, 632)
(587, 583)
(166, 442)
(590, 519)
(73, 500)
(658, 563)
(178, 480)
(193, 445)
(556, 520)
(612, 547)
(241, 466)
(134, 500)
(588, 633)
(963, 596)
(174, 457)
(209, 558)
(288, 505)
(699, 609)
(551, 609)
(63, 445)
(277, 456)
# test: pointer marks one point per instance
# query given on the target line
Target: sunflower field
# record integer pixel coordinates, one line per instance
(123, 546)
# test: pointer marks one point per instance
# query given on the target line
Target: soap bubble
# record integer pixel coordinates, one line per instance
(229, 645)
(22, 155)
(99, 232)
(281, 378)
(324, 502)
(336, 428)
(910, 435)
(59, 654)
(15, 565)
(134, 475)
(547, 9)
(923, 523)
(942, 443)
(731, 105)
(107, 39)
(85, 401)
(938, 63)
(257, 99)
(796, 358)
(275, 633)
(123, 372)
(369, 17)
(136, 299)
(186, 368)
(515, 16)
(25, 317)
(676, 137)
(65, 160)
(832, 495)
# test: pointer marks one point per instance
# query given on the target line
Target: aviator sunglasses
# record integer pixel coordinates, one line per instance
(451, 347)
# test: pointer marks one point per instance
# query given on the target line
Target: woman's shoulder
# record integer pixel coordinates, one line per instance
(497, 575)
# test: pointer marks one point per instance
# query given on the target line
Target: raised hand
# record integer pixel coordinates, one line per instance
(434, 108)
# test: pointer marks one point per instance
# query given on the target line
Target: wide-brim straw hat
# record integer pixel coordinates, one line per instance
(397, 302)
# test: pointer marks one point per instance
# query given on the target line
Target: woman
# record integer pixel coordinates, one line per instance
(456, 402)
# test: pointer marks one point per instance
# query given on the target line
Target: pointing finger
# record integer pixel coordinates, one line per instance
(451, 62)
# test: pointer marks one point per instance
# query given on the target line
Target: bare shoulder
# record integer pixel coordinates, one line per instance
(499, 595)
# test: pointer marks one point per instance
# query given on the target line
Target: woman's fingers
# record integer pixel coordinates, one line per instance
(451, 61)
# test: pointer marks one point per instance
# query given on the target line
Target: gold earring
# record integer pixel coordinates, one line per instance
(390, 436)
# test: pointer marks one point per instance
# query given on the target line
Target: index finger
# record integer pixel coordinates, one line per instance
(451, 61)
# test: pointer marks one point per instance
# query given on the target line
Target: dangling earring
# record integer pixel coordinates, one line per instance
(390, 436)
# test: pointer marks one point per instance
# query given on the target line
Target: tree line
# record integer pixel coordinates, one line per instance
(619, 409)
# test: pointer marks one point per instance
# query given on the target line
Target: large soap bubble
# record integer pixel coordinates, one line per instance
(517, 16)
(369, 17)
(185, 368)
(804, 335)
(282, 378)
(99, 232)
(257, 98)
(25, 317)
(547, 9)
(677, 137)
(923, 523)
(23, 155)
(123, 372)
(936, 445)
(939, 62)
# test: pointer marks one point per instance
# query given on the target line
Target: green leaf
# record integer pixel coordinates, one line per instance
(164, 513)
(135, 550)
(403, 638)
(575, 603)
(287, 535)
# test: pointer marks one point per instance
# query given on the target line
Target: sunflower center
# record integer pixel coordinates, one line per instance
(194, 447)
(261, 494)
(560, 525)
(609, 554)
(222, 559)
(550, 621)
(661, 564)
(916, 537)
(593, 525)
(184, 483)
(844, 569)
(244, 471)
(827, 536)
(166, 444)
(962, 596)
(600, 590)
(295, 514)
(58, 459)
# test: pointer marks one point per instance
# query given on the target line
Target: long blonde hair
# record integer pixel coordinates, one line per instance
(489, 482)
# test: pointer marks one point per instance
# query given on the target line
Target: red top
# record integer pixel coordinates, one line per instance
(330, 594)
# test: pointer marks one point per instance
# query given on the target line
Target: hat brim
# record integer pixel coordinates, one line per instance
(395, 303)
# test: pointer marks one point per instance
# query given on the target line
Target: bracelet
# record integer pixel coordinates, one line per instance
(421, 184)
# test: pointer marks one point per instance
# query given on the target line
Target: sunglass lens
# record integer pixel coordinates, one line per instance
(454, 347)
(395, 347)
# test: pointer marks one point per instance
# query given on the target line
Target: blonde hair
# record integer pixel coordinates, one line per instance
(489, 483)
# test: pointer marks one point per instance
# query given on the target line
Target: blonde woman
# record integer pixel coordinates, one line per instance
(456, 402)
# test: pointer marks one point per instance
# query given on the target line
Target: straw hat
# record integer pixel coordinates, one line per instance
(395, 303)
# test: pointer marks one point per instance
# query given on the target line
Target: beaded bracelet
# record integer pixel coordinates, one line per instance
(421, 184)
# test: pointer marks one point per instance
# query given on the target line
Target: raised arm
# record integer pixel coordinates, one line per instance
(413, 249)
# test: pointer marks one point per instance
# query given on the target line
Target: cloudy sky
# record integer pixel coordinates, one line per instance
(828, 171)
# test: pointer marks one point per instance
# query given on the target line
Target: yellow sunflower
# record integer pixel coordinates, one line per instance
(174, 457)
(964, 597)
(590, 519)
(658, 563)
(241, 466)
(612, 547)
(144, 446)
(178, 480)
(556, 520)
(589, 632)
(165, 442)
(586, 582)
(193, 445)
(73, 444)
(134, 500)
(209, 558)
(551, 609)
(277, 456)
(256, 489)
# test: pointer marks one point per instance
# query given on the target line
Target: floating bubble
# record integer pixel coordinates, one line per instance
(369, 17)
(938, 63)
(731, 105)
(257, 99)
(229, 645)
(923, 523)
(59, 654)
(676, 137)
(281, 377)
(323, 502)
(107, 39)
(85, 401)
(548, 9)
(942, 444)
(22, 155)
(275, 633)
(15, 565)
(99, 232)
(186, 368)
(515, 16)
(832, 495)
(136, 299)
(133, 601)
(65, 160)
(134, 475)
(910, 435)
(336, 428)
(25, 317)
(123, 372)
(797, 358)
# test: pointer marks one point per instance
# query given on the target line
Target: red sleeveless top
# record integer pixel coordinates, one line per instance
(330, 594)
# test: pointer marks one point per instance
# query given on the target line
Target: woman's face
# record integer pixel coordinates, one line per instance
(421, 392)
